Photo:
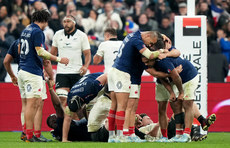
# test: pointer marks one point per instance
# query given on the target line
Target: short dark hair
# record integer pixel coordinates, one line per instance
(143, 115)
(41, 16)
(111, 31)
(49, 118)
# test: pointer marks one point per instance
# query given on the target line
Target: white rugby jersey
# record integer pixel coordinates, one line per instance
(146, 129)
(70, 46)
(108, 50)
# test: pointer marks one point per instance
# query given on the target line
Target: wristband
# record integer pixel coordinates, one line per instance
(58, 59)
(161, 50)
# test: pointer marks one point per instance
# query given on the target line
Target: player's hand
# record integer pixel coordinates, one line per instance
(83, 70)
(172, 97)
(179, 68)
(168, 43)
(64, 61)
(181, 96)
(162, 56)
(50, 83)
(138, 121)
(14, 81)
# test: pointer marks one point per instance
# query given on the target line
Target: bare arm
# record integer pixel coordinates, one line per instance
(55, 100)
(46, 55)
(103, 79)
(48, 68)
(97, 59)
(157, 74)
(7, 60)
(54, 50)
(172, 53)
(66, 127)
(87, 55)
(154, 131)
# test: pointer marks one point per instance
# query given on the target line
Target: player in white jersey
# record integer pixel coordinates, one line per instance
(70, 42)
(108, 49)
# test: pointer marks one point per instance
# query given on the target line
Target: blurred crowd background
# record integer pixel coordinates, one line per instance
(94, 16)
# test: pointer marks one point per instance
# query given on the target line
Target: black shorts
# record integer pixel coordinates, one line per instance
(102, 135)
(66, 80)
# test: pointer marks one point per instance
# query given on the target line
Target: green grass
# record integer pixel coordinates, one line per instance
(12, 140)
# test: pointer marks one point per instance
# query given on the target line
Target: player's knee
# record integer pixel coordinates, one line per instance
(62, 93)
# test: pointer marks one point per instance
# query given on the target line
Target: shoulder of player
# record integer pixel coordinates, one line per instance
(59, 32)
(37, 30)
(79, 32)
(165, 60)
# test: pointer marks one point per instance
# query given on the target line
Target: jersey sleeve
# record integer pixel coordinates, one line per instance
(13, 49)
(139, 44)
(85, 42)
(54, 43)
(100, 50)
(39, 38)
(166, 66)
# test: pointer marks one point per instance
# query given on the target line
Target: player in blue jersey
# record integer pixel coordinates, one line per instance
(135, 87)
(85, 90)
(11, 55)
(119, 77)
(184, 85)
(78, 128)
(32, 53)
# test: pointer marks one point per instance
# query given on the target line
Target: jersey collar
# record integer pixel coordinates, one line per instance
(71, 34)
(113, 39)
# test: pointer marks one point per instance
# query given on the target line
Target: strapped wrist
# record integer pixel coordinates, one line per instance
(58, 59)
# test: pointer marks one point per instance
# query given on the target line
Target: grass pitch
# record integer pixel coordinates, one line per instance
(12, 140)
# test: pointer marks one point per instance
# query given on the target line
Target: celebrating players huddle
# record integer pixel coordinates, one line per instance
(102, 106)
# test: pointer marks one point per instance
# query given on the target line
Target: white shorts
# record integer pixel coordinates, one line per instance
(30, 85)
(135, 91)
(119, 81)
(99, 113)
(189, 90)
(44, 95)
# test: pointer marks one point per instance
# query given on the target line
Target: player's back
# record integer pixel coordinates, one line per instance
(188, 72)
(129, 52)
(110, 49)
(31, 37)
(87, 87)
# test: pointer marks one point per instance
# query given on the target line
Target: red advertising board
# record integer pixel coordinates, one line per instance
(218, 102)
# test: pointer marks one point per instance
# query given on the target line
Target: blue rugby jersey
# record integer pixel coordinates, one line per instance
(31, 37)
(13, 51)
(128, 55)
(87, 87)
(168, 64)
